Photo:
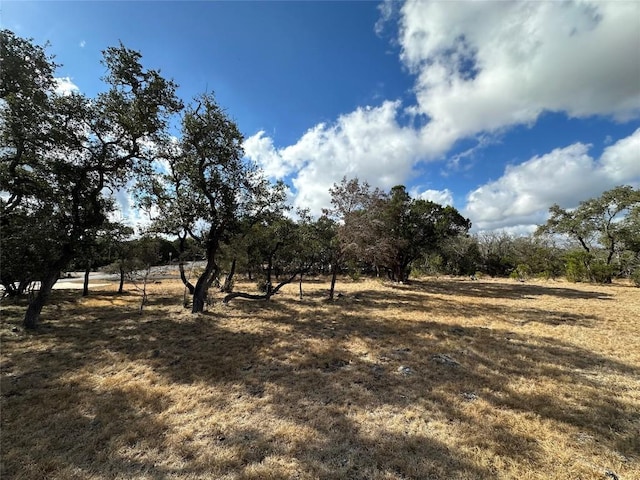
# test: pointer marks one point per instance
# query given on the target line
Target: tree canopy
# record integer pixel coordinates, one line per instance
(62, 154)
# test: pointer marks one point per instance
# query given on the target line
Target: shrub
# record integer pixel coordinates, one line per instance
(521, 272)
(601, 272)
(576, 266)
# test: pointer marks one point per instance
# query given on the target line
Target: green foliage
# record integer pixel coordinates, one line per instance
(577, 262)
(603, 227)
(601, 272)
(521, 272)
(59, 154)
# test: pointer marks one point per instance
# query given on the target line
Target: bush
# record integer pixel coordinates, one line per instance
(576, 266)
(521, 272)
(601, 272)
(635, 277)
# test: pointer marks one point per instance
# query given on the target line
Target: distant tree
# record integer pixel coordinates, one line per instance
(207, 187)
(353, 209)
(283, 250)
(120, 251)
(60, 153)
(144, 252)
(598, 226)
(414, 228)
(537, 255)
(497, 252)
(459, 255)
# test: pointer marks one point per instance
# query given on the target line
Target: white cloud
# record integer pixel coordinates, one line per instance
(621, 161)
(82, 44)
(485, 66)
(443, 197)
(367, 143)
(523, 195)
(65, 86)
(260, 149)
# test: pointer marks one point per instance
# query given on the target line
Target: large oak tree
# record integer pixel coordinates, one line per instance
(61, 155)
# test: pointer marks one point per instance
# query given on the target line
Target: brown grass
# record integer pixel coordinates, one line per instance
(546, 384)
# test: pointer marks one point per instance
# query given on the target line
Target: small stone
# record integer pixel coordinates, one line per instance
(612, 475)
(469, 396)
(443, 359)
(404, 370)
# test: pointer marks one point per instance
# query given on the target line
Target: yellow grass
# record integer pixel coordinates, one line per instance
(440, 379)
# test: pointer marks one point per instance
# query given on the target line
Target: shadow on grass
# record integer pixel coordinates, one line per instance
(327, 389)
(482, 289)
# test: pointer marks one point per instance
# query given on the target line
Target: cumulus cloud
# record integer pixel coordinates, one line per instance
(480, 68)
(368, 143)
(524, 193)
(485, 66)
(443, 197)
(65, 86)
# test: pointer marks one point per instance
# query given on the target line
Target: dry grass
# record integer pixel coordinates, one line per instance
(546, 384)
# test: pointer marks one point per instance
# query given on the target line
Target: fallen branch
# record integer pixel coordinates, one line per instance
(264, 296)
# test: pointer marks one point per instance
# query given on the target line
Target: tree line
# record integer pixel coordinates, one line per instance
(63, 156)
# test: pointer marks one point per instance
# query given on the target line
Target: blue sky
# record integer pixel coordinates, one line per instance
(498, 108)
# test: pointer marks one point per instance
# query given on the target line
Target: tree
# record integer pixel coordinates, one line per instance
(353, 212)
(207, 187)
(282, 249)
(497, 253)
(60, 153)
(414, 228)
(595, 225)
(144, 253)
(459, 255)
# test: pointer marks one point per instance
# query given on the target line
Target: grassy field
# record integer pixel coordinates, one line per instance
(440, 379)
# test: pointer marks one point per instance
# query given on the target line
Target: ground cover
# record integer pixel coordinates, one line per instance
(442, 379)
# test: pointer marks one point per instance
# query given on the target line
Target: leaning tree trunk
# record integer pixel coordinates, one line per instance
(227, 286)
(32, 316)
(183, 277)
(202, 286)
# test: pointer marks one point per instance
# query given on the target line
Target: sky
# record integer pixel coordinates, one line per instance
(498, 108)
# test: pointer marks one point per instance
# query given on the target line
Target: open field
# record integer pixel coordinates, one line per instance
(440, 379)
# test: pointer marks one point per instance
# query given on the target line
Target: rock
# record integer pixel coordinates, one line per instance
(404, 370)
(611, 474)
(443, 359)
(469, 396)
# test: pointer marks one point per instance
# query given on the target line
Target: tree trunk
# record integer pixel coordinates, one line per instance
(85, 286)
(300, 285)
(183, 277)
(334, 275)
(32, 316)
(227, 287)
(266, 296)
(199, 296)
(202, 286)
(120, 288)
